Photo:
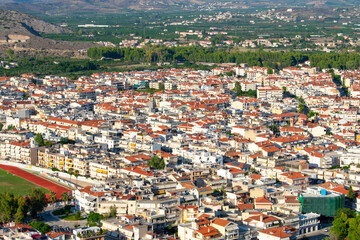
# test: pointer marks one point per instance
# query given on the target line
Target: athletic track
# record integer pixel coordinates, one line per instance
(37, 180)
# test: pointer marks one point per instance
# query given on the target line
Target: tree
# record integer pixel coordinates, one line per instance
(76, 174)
(311, 114)
(21, 211)
(65, 197)
(269, 70)
(1, 126)
(70, 172)
(41, 227)
(156, 162)
(94, 218)
(39, 139)
(11, 127)
(47, 143)
(77, 215)
(8, 207)
(301, 100)
(10, 54)
(223, 191)
(170, 229)
(301, 108)
(354, 228)
(161, 86)
(230, 73)
(351, 194)
(113, 212)
(237, 89)
(274, 128)
(66, 141)
(341, 223)
(38, 201)
(52, 197)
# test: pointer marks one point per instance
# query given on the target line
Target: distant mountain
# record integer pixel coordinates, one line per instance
(113, 6)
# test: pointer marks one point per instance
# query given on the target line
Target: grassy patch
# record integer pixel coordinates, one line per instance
(62, 211)
(149, 90)
(16, 185)
(72, 218)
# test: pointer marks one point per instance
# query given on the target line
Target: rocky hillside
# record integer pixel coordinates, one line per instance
(22, 32)
(24, 23)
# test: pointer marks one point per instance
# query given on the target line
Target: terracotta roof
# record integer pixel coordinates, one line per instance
(291, 199)
(204, 189)
(295, 175)
(270, 149)
(55, 119)
(243, 206)
(329, 185)
(57, 234)
(20, 144)
(262, 200)
(265, 219)
(139, 170)
(340, 189)
(238, 165)
(255, 176)
(208, 231)
(188, 185)
(280, 232)
(221, 222)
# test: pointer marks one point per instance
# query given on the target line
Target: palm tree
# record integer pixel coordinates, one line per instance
(65, 197)
(52, 197)
(70, 172)
(76, 174)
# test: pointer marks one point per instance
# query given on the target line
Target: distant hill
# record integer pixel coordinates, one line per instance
(17, 22)
(23, 32)
(112, 6)
(96, 6)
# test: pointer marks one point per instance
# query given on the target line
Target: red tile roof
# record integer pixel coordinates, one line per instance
(265, 219)
(262, 200)
(208, 231)
(243, 206)
(221, 222)
(295, 175)
(280, 232)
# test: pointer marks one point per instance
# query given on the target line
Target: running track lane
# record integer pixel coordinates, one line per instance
(37, 180)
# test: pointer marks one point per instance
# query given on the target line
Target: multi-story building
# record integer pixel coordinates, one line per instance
(319, 200)
(269, 92)
(24, 151)
(295, 178)
(204, 228)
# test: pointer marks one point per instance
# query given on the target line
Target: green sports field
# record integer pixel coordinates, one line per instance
(16, 185)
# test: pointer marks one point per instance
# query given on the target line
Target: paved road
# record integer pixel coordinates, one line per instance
(318, 235)
(50, 219)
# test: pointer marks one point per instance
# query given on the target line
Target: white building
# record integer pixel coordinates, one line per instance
(269, 93)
